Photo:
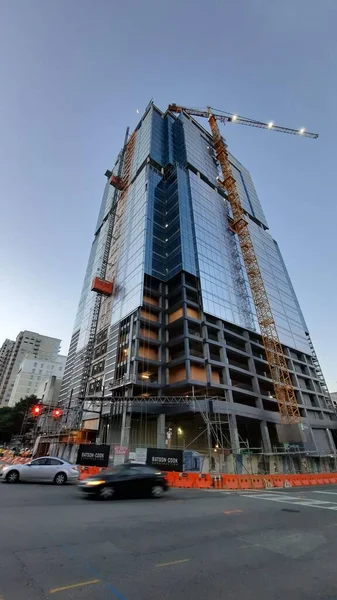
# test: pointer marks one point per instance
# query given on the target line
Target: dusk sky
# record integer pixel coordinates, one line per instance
(73, 74)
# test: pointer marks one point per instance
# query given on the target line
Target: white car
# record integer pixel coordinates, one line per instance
(46, 468)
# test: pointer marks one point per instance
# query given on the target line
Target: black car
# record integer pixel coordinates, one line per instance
(126, 480)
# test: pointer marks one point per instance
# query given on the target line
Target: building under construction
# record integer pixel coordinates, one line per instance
(188, 332)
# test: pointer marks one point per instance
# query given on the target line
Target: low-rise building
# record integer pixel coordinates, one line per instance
(49, 390)
(33, 374)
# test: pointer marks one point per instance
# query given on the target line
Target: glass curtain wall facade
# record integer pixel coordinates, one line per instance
(178, 276)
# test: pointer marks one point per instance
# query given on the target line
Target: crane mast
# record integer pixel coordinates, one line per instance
(277, 362)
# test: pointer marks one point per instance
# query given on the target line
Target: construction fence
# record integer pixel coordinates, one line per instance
(214, 462)
(218, 461)
(233, 482)
(220, 481)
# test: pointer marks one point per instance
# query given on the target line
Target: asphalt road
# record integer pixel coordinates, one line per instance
(190, 545)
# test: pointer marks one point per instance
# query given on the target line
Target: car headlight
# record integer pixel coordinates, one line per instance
(95, 482)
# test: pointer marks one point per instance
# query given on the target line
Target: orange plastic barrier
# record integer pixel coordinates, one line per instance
(240, 482)
(171, 477)
(257, 483)
(277, 480)
(83, 473)
(20, 461)
(268, 481)
(230, 482)
(184, 480)
(6, 456)
(294, 480)
(218, 482)
(202, 480)
(245, 482)
(88, 472)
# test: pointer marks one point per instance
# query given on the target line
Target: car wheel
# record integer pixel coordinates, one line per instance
(106, 493)
(12, 476)
(157, 491)
(60, 479)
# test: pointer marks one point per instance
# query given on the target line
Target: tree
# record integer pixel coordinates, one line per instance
(12, 418)
(6, 424)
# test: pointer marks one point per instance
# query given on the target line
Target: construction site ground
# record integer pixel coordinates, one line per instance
(190, 545)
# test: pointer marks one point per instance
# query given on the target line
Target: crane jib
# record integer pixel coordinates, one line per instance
(239, 120)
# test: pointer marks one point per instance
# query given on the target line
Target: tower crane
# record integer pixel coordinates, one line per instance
(277, 362)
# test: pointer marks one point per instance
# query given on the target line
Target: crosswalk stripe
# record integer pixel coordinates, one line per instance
(321, 492)
(295, 500)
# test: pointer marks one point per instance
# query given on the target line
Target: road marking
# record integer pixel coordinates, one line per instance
(295, 500)
(334, 493)
(74, 585)
(175, 562)
(230, 512)
(233, 492)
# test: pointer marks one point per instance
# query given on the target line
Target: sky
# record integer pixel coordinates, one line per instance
(73, 74)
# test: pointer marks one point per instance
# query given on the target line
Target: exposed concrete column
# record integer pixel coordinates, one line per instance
(227, 376)
(221, 338)
(126, 427)
(161, 437)
(255, 381)
(206, 353)
(187, 352)
(223, 355)
(131, 334)
(296, 384)
(253, 372)
(102, 430)
(112, 432)
(229, 394)
(234, 434)
(265, 437)
(331, 441)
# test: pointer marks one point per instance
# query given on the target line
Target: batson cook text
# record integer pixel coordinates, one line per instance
(169, 460)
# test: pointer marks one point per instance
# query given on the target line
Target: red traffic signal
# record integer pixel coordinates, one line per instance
(36, 410)
(57, 412)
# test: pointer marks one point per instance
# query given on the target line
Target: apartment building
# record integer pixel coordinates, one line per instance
(27, 344)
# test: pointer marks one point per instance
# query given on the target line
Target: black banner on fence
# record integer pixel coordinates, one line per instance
(93, 455)
(167, 460)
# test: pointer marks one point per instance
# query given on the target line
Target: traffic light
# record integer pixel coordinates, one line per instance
(36, 410)
(57, 412)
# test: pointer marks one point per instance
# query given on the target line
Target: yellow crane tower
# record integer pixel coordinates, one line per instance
(283, 386)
